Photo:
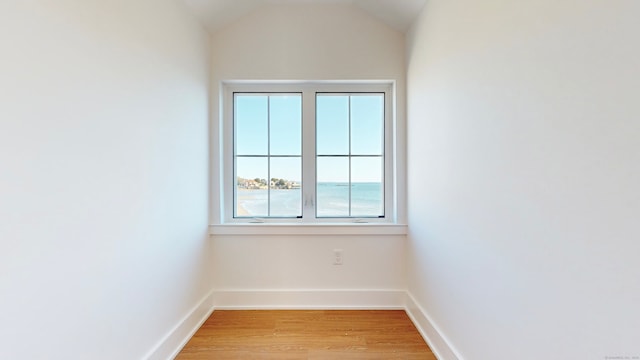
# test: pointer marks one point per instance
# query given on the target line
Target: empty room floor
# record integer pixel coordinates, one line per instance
(307, 334)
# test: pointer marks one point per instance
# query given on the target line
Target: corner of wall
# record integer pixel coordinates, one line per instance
(431, 333)
(171, 344)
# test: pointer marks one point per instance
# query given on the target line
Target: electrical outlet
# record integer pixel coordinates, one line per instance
(337, 257)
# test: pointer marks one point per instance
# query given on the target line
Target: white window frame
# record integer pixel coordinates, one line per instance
(308, 91)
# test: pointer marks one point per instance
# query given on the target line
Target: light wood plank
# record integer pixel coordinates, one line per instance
(307, 334)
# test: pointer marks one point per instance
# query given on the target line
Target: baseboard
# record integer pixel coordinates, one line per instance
(309, 299)
(436, 340)
(169, 347)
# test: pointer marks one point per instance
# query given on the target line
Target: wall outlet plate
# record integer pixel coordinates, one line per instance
(337, 257)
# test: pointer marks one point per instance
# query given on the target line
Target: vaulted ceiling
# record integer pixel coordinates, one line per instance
(398, 14)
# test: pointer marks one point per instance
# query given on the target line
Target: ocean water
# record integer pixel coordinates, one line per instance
(332, 201)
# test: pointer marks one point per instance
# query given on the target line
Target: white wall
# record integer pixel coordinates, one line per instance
(523, 123)
(297, 271)
(306, 42)
(103, 176)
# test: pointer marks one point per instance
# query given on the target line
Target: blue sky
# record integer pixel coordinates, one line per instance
(280, 116)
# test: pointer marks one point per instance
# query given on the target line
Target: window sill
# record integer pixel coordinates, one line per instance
(368, 229)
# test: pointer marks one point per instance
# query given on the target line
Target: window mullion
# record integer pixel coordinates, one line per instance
(308, 155)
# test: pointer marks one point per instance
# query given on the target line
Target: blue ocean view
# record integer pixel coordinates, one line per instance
(332, 201)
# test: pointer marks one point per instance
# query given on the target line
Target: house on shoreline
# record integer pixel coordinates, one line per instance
(261, 184)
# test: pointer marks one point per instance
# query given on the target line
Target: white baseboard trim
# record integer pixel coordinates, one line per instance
(436, 340)
(171, 344)
(309, 299)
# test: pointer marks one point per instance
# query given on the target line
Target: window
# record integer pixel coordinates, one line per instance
(308, 152)
(350, 155)
(268, 155)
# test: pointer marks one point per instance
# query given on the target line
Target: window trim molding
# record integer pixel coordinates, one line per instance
(224, 184)
(368, 229)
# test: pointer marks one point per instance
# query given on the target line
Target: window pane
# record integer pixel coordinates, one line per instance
(251, 187)
(367, 124)
(332, 124)
(367, 193)
(333, 186)
(285, 124)
(286, 194)
(251, 124)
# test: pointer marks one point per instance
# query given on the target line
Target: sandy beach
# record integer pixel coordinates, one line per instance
(242, 195)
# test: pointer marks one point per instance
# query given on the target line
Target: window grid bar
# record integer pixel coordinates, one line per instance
(274, 156)
(269, 155)
(350, 145)
(353, 156)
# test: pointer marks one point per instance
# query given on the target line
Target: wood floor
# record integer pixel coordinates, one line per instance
(302, 334)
